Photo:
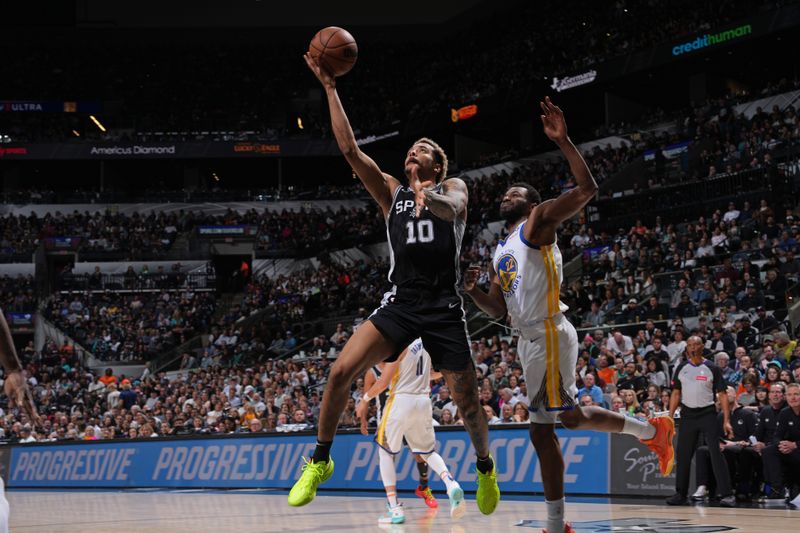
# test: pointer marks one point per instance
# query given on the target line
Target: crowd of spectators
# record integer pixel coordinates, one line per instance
(286, 301)
(308, 229)
(76, 404)
(17, 294)
(131, 327)
(137, 236)
(731, 143)
(733, 261)
(629, 374)
(328, 290)
(130, 234)
(123, 193)
(738, 142)
(160, 278)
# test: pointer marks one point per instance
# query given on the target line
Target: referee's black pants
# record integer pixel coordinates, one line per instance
(695, 422)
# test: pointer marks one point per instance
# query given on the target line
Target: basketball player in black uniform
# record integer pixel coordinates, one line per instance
(425, 224)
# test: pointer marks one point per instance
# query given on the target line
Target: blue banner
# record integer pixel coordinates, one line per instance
(275, 462)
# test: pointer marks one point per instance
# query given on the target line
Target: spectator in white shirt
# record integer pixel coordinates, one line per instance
(112, 400)
(718, 238)
(704, 248)
(490, 416)
(731, 214)
(620, 345)
(26, 436)
(580, 239)
(676, 348)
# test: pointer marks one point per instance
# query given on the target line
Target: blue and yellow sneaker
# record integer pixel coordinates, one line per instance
(305, 489)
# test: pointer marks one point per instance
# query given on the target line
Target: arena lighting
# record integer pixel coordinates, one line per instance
(300, 123)
(97, 123)
(75, 133)
(214, 175)
(463, 113)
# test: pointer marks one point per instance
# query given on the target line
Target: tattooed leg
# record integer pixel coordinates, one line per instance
(463, 387)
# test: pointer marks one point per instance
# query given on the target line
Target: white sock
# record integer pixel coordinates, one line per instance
(392, 497)
(449, 482)
(555, 516)
(436, 463)
(388, 473)
(638, 428)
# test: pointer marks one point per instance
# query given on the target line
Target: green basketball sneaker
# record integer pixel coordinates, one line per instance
(306, 487)
(488, 492)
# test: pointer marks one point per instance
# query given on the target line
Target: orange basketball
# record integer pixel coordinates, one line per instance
(336, 49)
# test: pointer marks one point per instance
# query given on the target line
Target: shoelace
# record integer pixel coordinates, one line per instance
(315, 468)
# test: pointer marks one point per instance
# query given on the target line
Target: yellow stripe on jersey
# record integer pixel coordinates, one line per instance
(548, 346)
(552, 367)
(554, 372)
(556, 283)
(548, 275)
(385, 417)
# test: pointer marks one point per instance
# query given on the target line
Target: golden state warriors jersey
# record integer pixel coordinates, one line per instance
(414, 374)
(530, 278)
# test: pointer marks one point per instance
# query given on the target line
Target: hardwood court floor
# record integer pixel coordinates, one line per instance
(246, 512)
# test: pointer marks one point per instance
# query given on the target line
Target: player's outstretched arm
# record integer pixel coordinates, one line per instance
(372, 388)
(546, 217)
(379, 185)
(493, 303)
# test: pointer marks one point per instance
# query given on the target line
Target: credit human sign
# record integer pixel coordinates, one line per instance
(710, 39)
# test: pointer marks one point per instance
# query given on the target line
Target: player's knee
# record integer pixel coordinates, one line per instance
(468, 406)
(339, 375)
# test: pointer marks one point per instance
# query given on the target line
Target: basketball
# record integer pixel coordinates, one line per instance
(336, 49)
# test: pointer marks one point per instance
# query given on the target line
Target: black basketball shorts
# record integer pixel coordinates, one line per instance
(439, 321)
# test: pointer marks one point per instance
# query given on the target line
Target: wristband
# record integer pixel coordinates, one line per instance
(366, 397)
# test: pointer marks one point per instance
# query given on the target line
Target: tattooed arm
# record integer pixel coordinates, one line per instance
(452, 203)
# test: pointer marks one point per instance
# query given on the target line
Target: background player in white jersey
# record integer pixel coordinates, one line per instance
(526, 275)
(408, 415)
(422, 491)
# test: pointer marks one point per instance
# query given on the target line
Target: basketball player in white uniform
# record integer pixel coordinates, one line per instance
(422, 491)
(526, 275)
(407, 414)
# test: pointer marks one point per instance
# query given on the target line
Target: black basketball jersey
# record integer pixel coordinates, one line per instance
(424, 250)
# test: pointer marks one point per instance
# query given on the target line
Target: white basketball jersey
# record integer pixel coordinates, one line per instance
(530, 277)
(414, 374)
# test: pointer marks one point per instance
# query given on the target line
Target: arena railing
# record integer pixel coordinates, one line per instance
(687, 199)
(138, 282)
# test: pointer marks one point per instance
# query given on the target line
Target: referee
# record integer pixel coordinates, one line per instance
(694, 385)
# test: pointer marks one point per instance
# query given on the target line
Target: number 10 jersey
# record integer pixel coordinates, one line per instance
(424, 249)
